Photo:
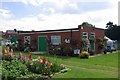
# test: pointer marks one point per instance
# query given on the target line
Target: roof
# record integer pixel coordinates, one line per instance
(11, 32)
(58, 30)
(48, 30)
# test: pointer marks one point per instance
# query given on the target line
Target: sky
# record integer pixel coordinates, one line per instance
(56, 14)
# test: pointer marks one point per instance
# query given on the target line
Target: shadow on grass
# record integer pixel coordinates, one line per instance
(53, 56)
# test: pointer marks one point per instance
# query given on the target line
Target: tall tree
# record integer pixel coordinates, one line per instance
(113, 32)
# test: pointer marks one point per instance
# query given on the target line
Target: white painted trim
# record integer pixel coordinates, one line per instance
(59, 31)
(56, 43)
(26, 33)
(85, 35)
(38, 39)
(51, 32)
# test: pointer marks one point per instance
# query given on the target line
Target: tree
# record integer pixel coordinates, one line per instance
(86, 24)
(113, 32)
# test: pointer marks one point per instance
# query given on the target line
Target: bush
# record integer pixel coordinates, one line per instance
(13, 69)
(41, 68)
(7, 57)
(67, 51)
(27, 49)
(84, 54)
(91, 52)
(55, 68)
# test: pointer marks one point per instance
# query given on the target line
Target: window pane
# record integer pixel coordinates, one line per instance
(55, 40)
(27, 39)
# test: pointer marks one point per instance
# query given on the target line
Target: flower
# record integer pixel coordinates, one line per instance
(49, 64)
(38, 57)
(11, 50)
(23, 58)
(44, 61)
(5, 51)
(20, 54)
(30, 57)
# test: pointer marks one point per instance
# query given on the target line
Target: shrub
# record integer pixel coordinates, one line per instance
(27, 49)
(7, 57)
(55, 67)
(44, 67)
(67, 51)
(92, 52)
(13, 69)
(55, 51)
(100, 46)
(84, 54)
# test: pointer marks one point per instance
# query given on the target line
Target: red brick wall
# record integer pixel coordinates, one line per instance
(99, 33)
(64, 35)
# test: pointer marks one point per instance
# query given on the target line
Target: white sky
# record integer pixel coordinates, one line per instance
(56, 14)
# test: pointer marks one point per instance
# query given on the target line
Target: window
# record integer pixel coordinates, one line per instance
(85, 35)
(27, 39)
(92, 35)
(55, 40)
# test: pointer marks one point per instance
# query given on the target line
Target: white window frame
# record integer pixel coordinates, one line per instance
(28, 38)
(94, 37)
(93, 34)
(54, 38)
(86, 34)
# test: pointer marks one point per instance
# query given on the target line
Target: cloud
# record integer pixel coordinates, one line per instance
(5, 14)
(61, 17)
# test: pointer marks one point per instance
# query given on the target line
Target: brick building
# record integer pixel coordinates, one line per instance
(38, 39)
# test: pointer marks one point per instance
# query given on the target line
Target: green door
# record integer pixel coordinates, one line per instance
(92, 45)
(14, 39)
(42, 44)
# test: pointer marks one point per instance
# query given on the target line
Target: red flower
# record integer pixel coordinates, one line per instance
(30, 57)
(38, 57)
(44, 61)
(49, 64)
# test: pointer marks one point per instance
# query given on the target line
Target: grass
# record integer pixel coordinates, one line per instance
(104, 66)
(0, 47)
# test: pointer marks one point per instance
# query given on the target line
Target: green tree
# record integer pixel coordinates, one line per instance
(113, 32)
(86, 24)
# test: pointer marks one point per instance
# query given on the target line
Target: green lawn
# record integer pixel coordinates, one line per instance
(104, 66)
(0, 47)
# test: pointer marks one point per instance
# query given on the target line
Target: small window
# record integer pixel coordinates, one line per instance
(92, 35)
(55, 40)
(27, 39)
(85, 35)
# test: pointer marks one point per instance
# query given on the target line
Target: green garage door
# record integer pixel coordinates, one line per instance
(42, 44)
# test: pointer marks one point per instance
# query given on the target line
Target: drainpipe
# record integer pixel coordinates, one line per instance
(71, 38)
(71, 34)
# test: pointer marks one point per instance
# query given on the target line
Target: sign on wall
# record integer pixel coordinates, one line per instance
(67, 40)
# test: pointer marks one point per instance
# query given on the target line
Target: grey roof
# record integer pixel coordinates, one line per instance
(11, 32)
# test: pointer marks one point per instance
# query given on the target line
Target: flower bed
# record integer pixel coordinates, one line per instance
(16, 67)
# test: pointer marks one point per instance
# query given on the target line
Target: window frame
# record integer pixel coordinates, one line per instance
(85, 35)
(28, 38)
(92, 34)
(55, 38)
